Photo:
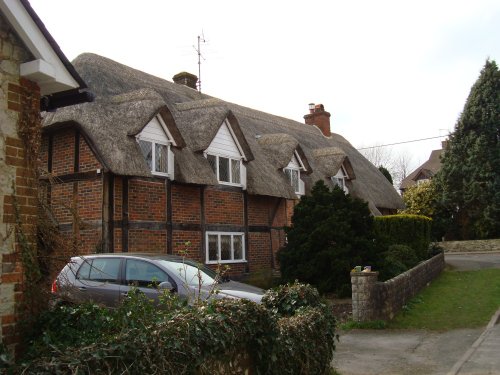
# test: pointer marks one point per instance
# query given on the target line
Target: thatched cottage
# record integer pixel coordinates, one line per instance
(152, 164)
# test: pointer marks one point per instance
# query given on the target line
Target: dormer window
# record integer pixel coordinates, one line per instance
(292, 172)
(155, 143)
(227, 170)
(340, 180)
(156, 155)
(225, 156)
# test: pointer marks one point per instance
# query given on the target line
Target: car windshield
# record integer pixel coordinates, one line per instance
(191, 273)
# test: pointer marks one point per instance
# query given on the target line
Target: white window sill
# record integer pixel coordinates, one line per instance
(227, 261)
(230, 184)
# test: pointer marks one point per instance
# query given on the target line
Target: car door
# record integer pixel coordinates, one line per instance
(144, 276)
(98, 280)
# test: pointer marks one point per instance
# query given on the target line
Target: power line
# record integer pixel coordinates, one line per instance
(400, 143)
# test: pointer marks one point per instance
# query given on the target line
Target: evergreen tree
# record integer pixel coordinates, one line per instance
(469, 180)
(386, 173)
(332, 232)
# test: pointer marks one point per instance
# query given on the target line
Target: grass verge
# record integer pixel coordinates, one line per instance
(465, 299)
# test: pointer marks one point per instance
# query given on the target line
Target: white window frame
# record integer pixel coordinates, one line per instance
(168, 142)
(153, 155)
(232, 260)
(231, 158)
(301, 185)
(341, 176)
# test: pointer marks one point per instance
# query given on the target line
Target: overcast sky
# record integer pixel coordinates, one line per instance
(387, 71)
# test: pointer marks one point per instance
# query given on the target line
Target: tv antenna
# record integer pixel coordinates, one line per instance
(201, 39)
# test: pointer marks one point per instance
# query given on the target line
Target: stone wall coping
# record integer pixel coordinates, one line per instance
(363, 274)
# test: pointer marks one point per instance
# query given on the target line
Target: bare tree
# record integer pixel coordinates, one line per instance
(398, 164)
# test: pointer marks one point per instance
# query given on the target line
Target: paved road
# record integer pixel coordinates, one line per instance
(411, 352)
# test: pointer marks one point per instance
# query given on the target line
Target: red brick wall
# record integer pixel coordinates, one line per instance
(193, 250)
(63, 152)
(18, 188)
(145, 240)
(147, 200)
(259, 252)
(224, 207)
(186, 204)
(76, 205)
(87, 159)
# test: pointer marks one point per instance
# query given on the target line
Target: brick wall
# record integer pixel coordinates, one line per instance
(373, 300)
(15, 178)
(74, 189)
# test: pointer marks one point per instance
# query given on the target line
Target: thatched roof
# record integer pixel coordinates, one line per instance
(268, 141)
(426, 170)
(330, 159)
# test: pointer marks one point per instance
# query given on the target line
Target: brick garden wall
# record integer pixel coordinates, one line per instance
(16, 178)
(373, 300)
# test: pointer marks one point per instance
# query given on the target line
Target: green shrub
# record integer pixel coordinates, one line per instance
(331, 233)
(411, 230)
(396, 260)
(286, 299)
(217, 337)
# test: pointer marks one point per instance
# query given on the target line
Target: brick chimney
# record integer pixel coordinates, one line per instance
(186, 79)
(319, 117)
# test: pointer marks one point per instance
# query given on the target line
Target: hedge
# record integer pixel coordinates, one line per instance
(218, 337)
(410, 230)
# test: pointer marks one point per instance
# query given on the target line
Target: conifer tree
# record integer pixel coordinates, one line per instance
(469, 180)
(331, 233)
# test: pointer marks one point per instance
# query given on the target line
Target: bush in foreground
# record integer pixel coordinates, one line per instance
(218, 337)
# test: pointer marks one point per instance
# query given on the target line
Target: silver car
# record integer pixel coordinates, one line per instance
(107, 279)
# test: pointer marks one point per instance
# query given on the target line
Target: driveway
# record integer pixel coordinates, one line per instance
(417, 351)
(402, 352)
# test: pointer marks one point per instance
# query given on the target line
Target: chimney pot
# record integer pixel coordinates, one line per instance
(186, 79)
(319, 117)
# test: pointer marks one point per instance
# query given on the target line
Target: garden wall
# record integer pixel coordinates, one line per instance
(374, 300)
(476, 246)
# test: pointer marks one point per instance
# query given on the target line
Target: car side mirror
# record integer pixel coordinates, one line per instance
(166, 285)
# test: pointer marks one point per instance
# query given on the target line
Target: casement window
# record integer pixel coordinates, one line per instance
(293, 175)
(225, 247)
(292, 172)
(228, 170)
(155, 143)
(156, 155)
(340, 180)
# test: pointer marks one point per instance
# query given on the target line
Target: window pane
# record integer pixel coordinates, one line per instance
(84, 271)
(295, 180)
(238, 247)
(212, 160)
(235, 171)
(161, 158)
(225, 247)
(288, 173)
(223, 169)
(143, 274)
(212, 247)
(105, 269)
(147, 152)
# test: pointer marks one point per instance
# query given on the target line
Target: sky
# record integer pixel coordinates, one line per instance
(387, 71)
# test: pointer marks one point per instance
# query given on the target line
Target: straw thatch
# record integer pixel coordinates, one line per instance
(126, 99)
